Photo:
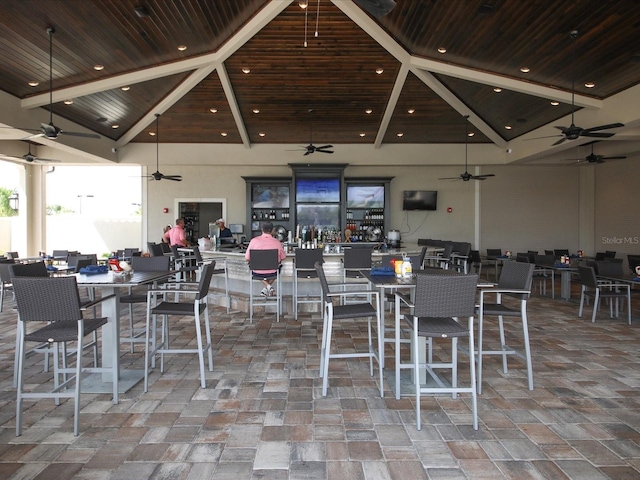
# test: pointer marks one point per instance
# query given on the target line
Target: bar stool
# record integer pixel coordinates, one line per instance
(304, 267)
(265, 260)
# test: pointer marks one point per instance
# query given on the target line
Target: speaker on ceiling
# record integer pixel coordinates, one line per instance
(377, 8)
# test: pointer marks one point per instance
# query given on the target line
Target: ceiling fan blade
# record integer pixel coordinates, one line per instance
(604, 127)
(483, 176)
(323, 151)
(324, 146)
(449, 178)
(596, 134)
(308, 152)
(80, 134)
(613, 158)
(560, 141)
(175, 178)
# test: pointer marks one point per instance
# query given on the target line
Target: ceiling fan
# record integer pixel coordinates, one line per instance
(157, 175)
(29, 157)
(593, 158)
(49, 130)
(311, 148)
(466, 176)
(572, 132)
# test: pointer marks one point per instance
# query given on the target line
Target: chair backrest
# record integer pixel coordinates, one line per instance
(462, 248)
(36, 269)
(60, 255)
(549, 252)
(130, 252)
(47, 299)
(72, 260)
(425, 241)
(357, 258)
(516, 276)
(205, 280)
(197, 254)
(5, 272)
(610, 268)
(150, 264)
(156, 250)
(445, 295)
(522, 257)
(82, 263)
(12, 255)
(323, 282)
(448, 250)
(263, 259)
(165, 247)
(306, 259)
(600, 256)
(609, 254)
(492, 253)
(587, 277)
(558, 252)
(474, 256)
(545, 260)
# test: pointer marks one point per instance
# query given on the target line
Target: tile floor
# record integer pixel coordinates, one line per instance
(262, 416)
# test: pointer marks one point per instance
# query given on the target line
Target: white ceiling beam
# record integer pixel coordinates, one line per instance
(507, 83)
(391, 104)
(233, 104)
(443, 92)
(261, 19)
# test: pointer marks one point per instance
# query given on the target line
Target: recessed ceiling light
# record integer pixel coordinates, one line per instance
(213, 110)
(525, 69)
(224, 134)
(411, 110)
(33, 83)
(399, 134)
(471, 134)
(262, 134)
(362, 134)
(98, 67)
(589, 84)
(555, 103)
(126, 88)
(141, 12)
(507, 127)
(379, 70)
(153, 134)
(497, 89)
(68, 102)
(303, 4)
(246, 70)
(115, 125)
(368, 111)
(182, 48)
(256, 110)
(442, 50)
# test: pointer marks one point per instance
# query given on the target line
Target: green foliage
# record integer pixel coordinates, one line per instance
(57, 210)
(5, 209)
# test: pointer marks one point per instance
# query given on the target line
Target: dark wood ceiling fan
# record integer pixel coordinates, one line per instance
(592, 158)
(311, 148)
(157, 175)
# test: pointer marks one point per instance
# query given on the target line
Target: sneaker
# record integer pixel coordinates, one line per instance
(272, 292)
(264, 292)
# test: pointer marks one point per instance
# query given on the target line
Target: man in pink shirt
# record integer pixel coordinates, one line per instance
(266, 241)
(176, 235)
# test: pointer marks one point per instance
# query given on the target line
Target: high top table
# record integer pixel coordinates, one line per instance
(111, 285)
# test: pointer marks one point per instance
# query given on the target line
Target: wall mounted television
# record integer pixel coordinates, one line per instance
(365, 196)
(317, 190)
(270, 196)
(419, 200)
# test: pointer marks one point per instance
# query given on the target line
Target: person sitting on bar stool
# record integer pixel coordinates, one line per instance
(266, 241)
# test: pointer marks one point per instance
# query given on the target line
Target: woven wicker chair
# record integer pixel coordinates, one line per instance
(333, 312)
(609, 290)
(54, 302)
(140, 264)
(441, 303)
(515, 282)
(304, 267)
(198, 307)
(265, 260)
(5, 281)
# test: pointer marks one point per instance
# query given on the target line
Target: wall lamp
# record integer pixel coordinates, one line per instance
(14, 201)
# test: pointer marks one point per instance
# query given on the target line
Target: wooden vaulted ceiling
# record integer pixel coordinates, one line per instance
(327, 86)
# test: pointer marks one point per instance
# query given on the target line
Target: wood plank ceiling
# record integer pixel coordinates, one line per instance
(326, 87)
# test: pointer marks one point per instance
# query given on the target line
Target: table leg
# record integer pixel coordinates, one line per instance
(565, 284)
(111, 338)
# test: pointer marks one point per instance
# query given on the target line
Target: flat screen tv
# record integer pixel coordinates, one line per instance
(270, 196)
(365, 196)
(419, 200)
(317, 190)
